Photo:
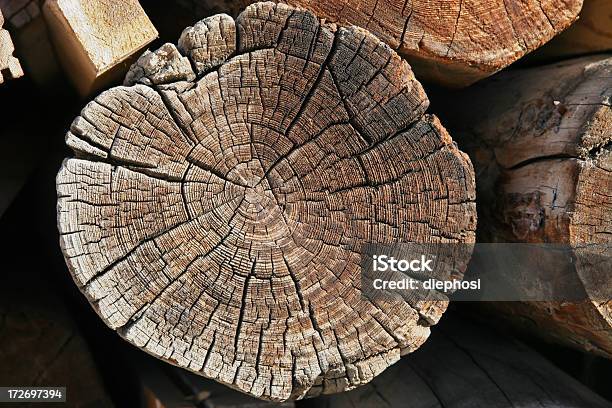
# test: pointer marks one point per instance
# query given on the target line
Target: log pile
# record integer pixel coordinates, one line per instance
(453, 43)
(543, 159)
(217, 208)
(468, 365)
(218, 204)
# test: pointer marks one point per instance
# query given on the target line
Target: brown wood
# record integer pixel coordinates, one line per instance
(218, 223)
(9, 65)
(540, 140)
(590, 34)
(464, 365)
(96, 40)
(451, 42)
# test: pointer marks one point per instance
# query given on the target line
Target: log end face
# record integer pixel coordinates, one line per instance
(210, 42)
(162, 66)
(218, 222)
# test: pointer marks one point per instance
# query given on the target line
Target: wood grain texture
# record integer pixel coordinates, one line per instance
(97, 39)
(218, 222)
(9, 65)
(453, 43)
(464, 365)
(590, 34)
(540, 140)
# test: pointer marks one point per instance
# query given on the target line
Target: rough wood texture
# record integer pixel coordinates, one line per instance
(454, 43)
(218, 223)
(96, 39)
(9, 65)
(164, 386)
(590, 34)
(464, 365)
(541, 144)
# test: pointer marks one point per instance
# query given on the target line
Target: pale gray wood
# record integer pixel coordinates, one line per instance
(218, 223)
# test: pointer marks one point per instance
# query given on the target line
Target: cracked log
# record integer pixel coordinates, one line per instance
(540, 140)
(459, 356)
(9, 65)
(592, 33)
(97, 40)
(454, 43)
(217, 208)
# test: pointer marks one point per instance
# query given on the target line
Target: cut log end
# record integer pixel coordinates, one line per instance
(218, 207)
(452, 43)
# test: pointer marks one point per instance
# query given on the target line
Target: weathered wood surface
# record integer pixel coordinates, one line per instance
(453, 43)
(9, 65)
(540, 140)
(97, 40)
(216, 218)
(173, 387)
(464, 365)
(590, 34)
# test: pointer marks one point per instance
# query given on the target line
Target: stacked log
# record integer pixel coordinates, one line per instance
(453, 43)
(591, 33)
(540, 140)
(220, 204)
(466, 365)
(217, 207)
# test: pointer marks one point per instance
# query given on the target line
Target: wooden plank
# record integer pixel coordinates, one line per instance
(96, 40)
